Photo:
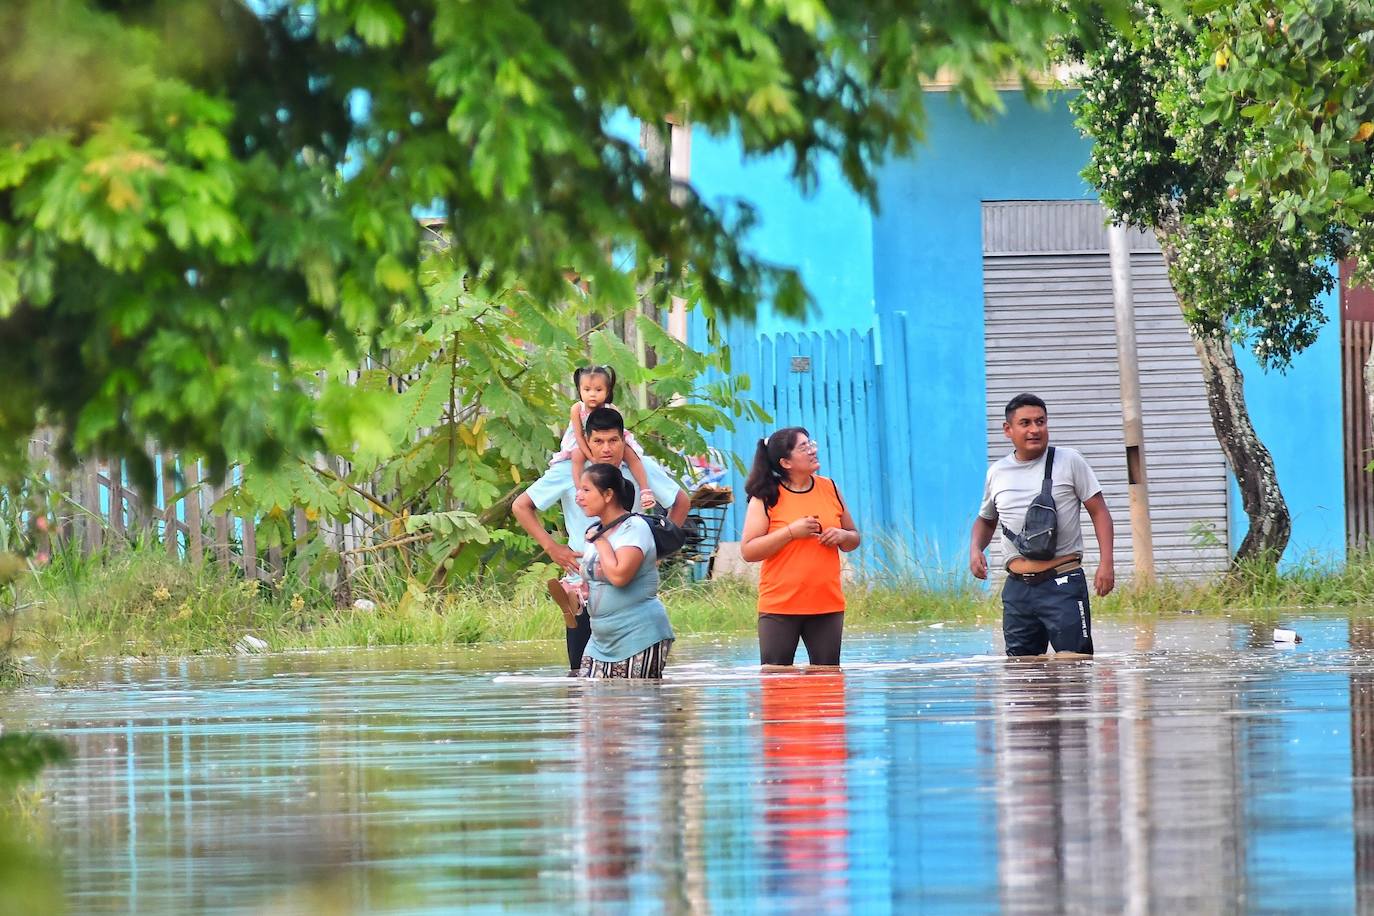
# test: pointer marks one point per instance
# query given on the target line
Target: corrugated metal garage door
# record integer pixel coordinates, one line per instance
(1051, 330)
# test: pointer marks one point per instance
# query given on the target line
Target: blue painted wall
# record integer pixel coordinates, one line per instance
(826, 235)
(913, 271)
(1297, 414)
(928, 263)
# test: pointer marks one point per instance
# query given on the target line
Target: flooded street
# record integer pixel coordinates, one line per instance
(1193, 766)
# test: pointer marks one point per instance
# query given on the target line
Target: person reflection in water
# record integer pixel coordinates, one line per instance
(1055, 854)
(806, 815)
(627, 843)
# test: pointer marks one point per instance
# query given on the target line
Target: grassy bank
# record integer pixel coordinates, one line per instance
(139, 601)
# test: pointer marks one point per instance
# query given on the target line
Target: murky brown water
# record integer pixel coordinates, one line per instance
(1192, 767)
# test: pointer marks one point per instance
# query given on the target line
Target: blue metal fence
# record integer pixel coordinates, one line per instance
(829, 383)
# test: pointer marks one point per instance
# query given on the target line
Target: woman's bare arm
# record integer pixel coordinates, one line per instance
(755, 543)
(618, 565)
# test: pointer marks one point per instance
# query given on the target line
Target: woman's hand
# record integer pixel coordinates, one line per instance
(836, 537)
(807, 527)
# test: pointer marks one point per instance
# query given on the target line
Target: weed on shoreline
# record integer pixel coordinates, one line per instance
(139, 601)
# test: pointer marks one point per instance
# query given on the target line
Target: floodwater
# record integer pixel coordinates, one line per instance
(1193, 766)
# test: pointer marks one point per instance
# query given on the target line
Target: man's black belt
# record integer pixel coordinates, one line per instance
(1045, 575)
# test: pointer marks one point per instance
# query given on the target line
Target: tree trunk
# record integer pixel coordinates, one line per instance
(1250, 461)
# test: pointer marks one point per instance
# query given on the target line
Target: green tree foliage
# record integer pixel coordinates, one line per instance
(1163, 160)
(460, 406)
(1299, 76)
(201, 203)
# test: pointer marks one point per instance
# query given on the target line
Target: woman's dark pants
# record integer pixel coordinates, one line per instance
(779, 634)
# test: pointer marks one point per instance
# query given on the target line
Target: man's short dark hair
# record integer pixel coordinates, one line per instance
(604, 419)
(1024, 400)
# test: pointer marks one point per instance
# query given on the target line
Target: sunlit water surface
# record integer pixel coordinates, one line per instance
(1193, 766)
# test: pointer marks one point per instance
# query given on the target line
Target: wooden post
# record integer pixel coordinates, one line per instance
(301, 527)
(1137, 484)
(76, 495)
(62, 509)
(195, 544)
(116, 477)
(222, 531)
(679, 172)
(95, 520)
(144, 499)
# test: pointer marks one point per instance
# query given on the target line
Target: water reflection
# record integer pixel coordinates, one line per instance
(806, 793)
(1118, 784)
(1195, 768)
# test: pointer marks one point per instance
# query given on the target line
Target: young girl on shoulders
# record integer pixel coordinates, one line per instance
(596, 388)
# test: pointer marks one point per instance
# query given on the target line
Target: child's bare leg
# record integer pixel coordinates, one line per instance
(641, 476)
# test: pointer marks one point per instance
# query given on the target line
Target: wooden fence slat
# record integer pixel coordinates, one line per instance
(64, 479)
(116, 478)
(76, 496)
(195, 538)
(95, 529)
(250, 548)
(301, 526)
(219, 522)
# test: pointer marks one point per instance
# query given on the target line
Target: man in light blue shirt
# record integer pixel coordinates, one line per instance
(606, 436)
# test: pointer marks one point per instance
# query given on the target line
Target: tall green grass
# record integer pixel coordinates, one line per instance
(140, 601)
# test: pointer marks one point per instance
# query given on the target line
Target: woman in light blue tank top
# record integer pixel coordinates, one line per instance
(631, 635)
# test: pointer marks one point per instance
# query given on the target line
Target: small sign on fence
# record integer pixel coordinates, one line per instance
(801, 364)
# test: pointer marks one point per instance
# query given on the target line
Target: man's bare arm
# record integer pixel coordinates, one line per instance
(1105, 579)
(528, 516)
(681, 505)
(979, 539)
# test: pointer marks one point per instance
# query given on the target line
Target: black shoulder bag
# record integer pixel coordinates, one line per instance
(668, 535)
(1041, 529)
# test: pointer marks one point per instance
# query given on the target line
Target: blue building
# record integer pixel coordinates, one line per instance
(984, 273)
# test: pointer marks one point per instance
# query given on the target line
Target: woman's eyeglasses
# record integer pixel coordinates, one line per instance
(813, 446)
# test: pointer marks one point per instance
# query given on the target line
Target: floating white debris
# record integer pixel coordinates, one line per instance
(363, 604)
(250, 645)
(1282, 635)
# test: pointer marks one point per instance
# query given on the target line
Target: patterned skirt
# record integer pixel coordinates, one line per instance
(648, 663)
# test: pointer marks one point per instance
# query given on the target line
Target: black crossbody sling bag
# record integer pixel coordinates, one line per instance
(1041, 528)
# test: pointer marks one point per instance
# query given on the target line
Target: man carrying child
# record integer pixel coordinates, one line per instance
(605, 432)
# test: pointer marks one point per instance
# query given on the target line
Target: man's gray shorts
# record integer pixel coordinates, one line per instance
(1050, 613)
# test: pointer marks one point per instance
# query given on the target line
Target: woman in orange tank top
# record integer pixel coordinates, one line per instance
(797, 524)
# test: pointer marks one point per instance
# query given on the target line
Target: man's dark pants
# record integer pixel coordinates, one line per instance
(1053, 612)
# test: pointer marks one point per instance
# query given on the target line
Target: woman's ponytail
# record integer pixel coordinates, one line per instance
(767, 472)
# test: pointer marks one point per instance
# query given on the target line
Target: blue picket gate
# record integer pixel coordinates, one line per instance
(827, 382)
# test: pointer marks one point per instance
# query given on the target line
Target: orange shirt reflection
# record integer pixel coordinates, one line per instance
(805, 753)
